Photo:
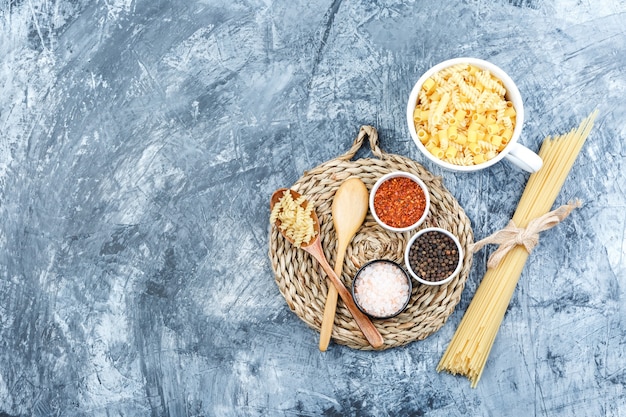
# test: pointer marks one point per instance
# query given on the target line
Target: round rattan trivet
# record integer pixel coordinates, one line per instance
(303, 283)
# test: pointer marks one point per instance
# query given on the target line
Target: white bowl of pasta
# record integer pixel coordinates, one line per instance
(466, 114)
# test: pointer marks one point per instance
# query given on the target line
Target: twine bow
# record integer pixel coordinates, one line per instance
(512, 236)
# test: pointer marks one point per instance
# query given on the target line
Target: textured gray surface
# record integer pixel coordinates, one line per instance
(139, 144)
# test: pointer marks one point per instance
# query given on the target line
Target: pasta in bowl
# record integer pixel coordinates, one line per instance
(466, 114)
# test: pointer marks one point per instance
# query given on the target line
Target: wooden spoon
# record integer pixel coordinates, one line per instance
(349, 208)
(314, 248)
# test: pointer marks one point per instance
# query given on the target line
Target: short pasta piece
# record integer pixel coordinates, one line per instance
(486, 146)
(463, 160)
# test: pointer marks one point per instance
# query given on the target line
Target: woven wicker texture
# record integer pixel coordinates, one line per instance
(303, 283)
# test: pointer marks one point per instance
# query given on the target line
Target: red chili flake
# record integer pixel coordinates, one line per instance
(399, 202)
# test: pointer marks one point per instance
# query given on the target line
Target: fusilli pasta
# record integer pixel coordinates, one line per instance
(294, 219)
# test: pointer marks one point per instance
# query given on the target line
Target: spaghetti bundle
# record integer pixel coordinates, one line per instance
(472, 342)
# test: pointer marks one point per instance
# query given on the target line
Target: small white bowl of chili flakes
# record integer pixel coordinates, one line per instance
(399, 201)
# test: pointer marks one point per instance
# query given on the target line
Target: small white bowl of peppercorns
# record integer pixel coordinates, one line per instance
(434, 256)
(399, 201)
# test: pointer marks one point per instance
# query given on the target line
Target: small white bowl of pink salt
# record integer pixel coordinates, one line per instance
(381, 289)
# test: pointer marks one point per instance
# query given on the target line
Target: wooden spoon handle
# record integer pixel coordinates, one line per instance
(330, 308)
(365, 324)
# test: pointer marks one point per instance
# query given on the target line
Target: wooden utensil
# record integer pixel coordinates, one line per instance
(314, 248)
(349, 208)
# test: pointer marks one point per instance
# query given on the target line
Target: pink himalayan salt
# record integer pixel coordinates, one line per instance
(381, 289)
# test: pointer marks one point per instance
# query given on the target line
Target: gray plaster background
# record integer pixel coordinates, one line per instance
(140, 141)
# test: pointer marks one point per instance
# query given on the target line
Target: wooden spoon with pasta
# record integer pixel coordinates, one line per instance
(314, 248)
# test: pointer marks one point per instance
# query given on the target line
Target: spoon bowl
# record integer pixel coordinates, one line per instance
(278, 194)
(314, 248)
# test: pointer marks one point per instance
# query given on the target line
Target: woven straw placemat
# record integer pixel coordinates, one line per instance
(304, 284)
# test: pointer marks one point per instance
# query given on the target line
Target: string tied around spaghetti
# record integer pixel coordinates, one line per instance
(528, 237)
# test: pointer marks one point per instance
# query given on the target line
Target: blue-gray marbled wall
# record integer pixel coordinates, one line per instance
(139, 144)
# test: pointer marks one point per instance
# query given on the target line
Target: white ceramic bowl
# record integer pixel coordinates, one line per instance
(516, 153)
(408, 250)
(416, 180)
